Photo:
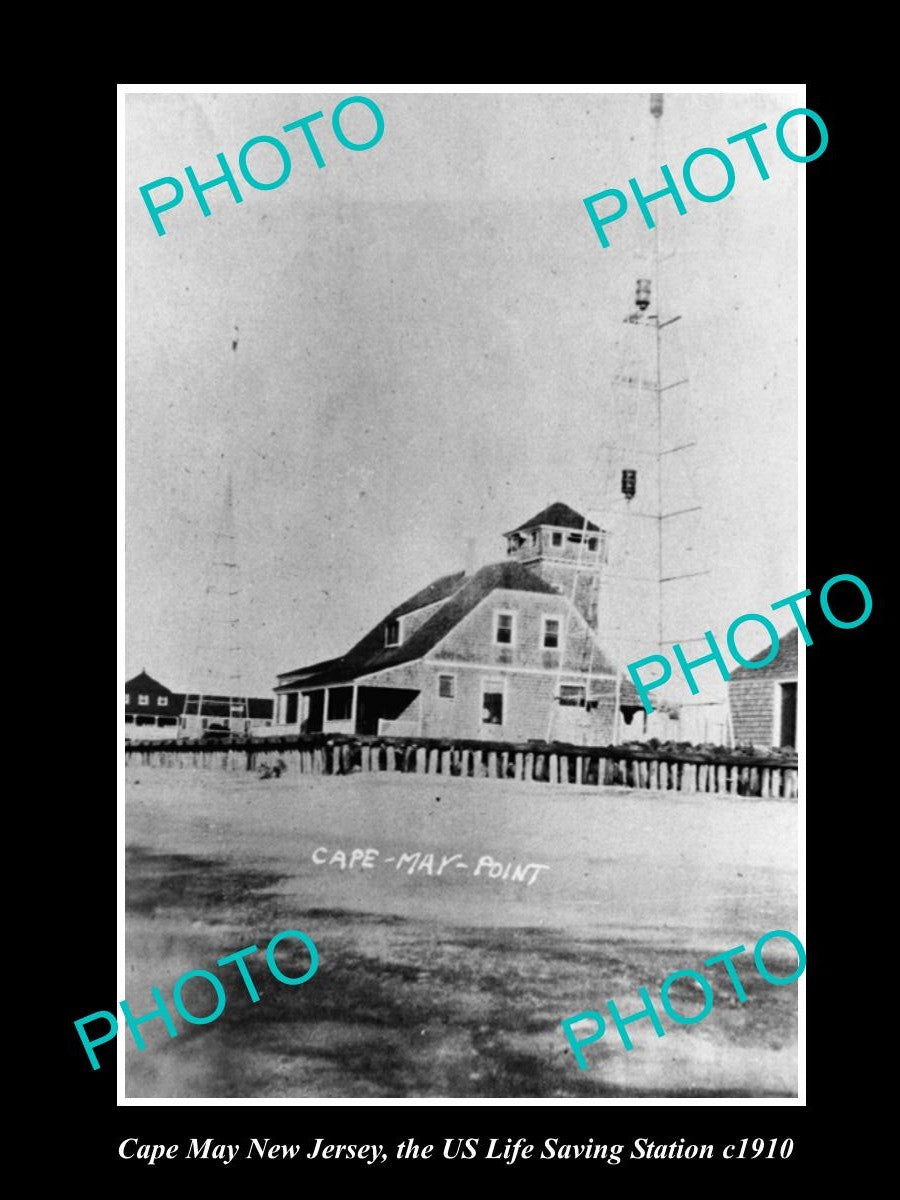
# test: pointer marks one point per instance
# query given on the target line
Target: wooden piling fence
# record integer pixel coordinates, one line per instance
(559, 765)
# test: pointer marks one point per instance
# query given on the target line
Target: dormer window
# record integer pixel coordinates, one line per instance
(162, 701)
(127, 698)
(143, 700)
(392, 633)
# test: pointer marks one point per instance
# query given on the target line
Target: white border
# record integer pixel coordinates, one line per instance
(796, 89)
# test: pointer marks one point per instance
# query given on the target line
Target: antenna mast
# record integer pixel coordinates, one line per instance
(629, 477)
(218, 646)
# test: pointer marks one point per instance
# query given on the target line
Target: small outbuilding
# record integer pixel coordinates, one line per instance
(763, 700)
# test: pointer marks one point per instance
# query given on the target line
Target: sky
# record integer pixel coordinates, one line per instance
(428, 339)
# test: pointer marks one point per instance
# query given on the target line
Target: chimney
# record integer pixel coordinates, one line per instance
(470, 557)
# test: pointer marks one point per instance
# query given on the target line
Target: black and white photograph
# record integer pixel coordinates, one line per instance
(463, 597)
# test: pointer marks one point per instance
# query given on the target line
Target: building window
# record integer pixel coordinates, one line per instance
(572, 695)
(576, 538)
(503, 628)
(129, 720)
(492, 703)
(143, 700)
(447, 687)
(550, 633)
(592, 545)
(162, 701)
(340, 703)
(127, 698)
(556, 539)
(392, 633)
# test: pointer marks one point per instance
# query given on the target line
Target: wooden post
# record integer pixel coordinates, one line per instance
(579, 770)
(421, 760)
(528, 768)
(553, 760)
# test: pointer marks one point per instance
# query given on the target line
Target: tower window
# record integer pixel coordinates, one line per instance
(504, 628)
(392, 633)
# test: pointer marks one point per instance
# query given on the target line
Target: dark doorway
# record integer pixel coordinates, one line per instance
(316, 712)
(290, 716)
(374, 703)
(788, 731)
